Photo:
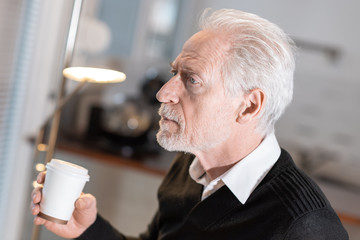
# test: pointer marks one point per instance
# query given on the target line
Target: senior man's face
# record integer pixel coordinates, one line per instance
(196, 114)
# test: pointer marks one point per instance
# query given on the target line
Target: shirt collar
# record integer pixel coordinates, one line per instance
(244, 176)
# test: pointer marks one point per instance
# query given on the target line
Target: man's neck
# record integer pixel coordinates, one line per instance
(220, 159)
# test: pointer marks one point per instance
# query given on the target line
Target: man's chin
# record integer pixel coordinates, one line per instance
(168, 141)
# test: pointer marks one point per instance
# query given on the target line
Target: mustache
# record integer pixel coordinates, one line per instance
(166, 112)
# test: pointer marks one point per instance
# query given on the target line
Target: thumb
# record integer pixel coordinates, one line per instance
(85, 201)
(85, 211)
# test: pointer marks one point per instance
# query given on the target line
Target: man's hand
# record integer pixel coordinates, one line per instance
(83, 216)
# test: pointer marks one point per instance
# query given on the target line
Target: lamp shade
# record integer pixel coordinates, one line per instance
(95, 75)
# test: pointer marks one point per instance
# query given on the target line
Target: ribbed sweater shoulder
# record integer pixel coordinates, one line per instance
(297, 191)
(311, 214)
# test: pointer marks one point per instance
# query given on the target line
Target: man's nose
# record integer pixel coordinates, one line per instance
(169, 93)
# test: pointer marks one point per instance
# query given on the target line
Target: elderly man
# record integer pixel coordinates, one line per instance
(230, 84)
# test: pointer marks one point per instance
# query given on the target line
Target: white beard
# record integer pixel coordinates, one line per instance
(206, 136)
(166, 139)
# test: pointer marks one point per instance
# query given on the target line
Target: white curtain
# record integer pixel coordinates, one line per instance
(12, 95)
(32, 35)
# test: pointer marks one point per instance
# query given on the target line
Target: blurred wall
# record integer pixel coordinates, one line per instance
(323, 116)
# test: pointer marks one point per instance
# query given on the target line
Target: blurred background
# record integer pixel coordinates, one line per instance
(110, 129)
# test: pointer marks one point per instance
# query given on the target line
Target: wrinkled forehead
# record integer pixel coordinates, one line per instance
(204, 48)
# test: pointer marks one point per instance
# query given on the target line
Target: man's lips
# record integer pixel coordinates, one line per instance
(165, 119)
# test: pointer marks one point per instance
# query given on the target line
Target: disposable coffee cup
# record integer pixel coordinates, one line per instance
(63, 184)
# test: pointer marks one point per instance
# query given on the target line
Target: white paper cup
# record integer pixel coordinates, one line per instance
(63, 184)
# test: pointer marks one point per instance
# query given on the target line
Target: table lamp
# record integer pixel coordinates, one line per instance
(83, 75)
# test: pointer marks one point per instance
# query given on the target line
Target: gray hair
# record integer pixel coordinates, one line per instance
(260, 56)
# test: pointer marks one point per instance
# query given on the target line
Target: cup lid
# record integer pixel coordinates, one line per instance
(68, 168)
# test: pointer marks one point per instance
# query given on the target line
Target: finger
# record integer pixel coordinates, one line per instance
(41, 177)
(35, 209)
(39, 221)
(36, 195)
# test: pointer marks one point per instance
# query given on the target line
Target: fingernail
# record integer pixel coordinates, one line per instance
(79, 203)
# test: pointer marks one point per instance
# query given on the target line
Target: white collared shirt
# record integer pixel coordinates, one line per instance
(244, 176)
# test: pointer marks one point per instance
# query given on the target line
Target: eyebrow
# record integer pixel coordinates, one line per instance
(184, 67)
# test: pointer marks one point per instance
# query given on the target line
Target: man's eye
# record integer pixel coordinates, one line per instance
(173, 72)
(193, 81)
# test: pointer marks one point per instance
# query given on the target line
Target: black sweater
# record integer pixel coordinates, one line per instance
(287, 204)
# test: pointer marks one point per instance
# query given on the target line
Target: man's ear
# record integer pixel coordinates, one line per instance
(252, 105)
